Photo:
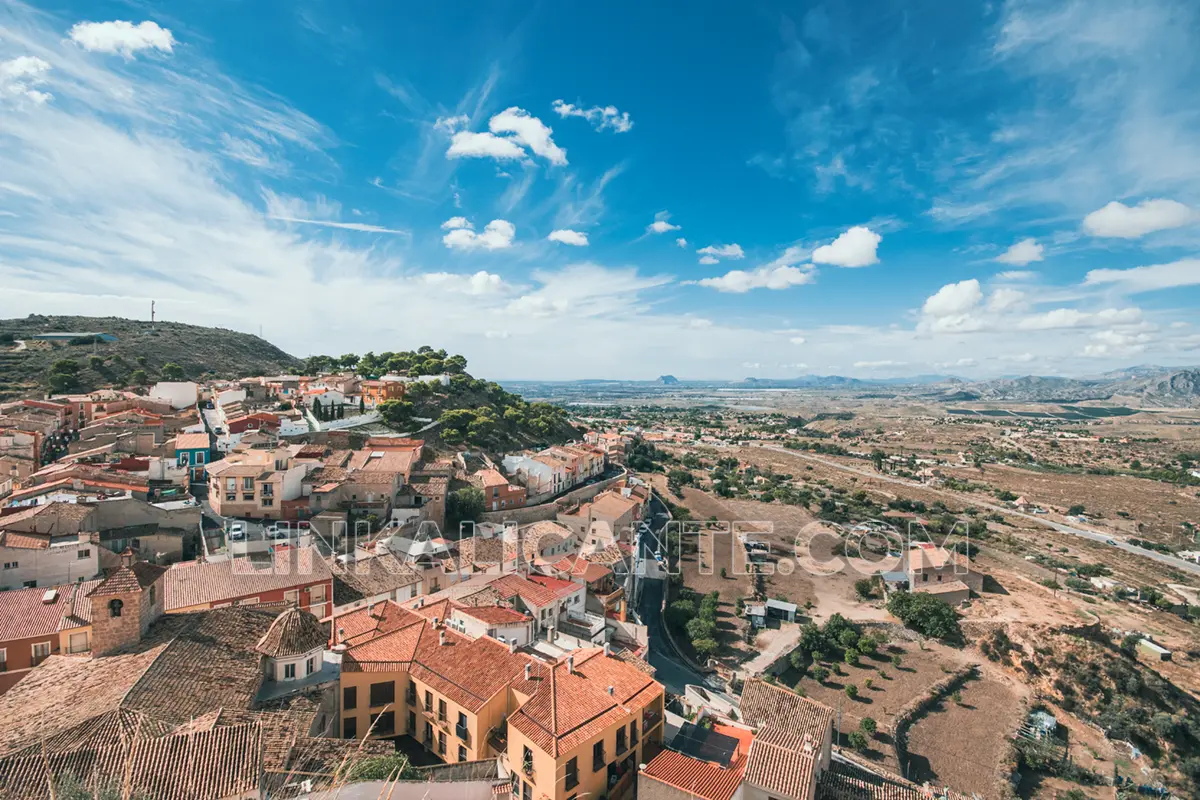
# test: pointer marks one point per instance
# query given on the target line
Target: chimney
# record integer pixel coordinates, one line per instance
(607, 649)
(128, 557)
(571, 665)
(420, 602)
(442, 638)
(528, 672)
(512, 645)
(435, 622)
(611, 691)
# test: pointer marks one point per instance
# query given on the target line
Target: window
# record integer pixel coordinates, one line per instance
(441, 743)
(78, 643)
(412, 693)
(268, 502)
(428, 701)
(383, 724)
(598, 756)
(3, 660)
(41, 651)
(462, 753)
(350, 698)
(248, 484)
(11, 564)
(350, 729)
(310, 666)
(620, 741)
(526, 792)
(289, 671)
(292, 596)
(428, 735)
(152, 594)
(84, 553)
(382, 694)
(412, 724)
(527, 760)
(441, 710)
(114, 607)
(633, 734)
(572, 774)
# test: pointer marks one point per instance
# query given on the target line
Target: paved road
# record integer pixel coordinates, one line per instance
(669, 670)
(1095, 536)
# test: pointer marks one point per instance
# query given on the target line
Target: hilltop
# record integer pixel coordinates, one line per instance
(201, 352)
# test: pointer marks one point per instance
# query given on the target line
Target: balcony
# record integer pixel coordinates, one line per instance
(583, 625)
(463, 733)
(650, 718)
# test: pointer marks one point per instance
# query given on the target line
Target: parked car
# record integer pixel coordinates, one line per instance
(237, 532)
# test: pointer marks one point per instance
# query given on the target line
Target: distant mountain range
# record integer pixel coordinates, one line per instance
(1142, 386)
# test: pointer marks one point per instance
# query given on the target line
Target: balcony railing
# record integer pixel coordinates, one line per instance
(463, 733)
(650, 718)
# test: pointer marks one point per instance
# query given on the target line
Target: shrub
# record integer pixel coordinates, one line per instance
(701, 628)
(705, 647)
(857, 740)
(851, 691)
(868, 683)
(864, 588)
(926, 614)
(897, 661)
(868, 726)
(820, 673)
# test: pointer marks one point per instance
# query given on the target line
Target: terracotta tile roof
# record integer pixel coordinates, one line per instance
(612, 506)
(293, 633)
(370, 577)
(768, 705)
(78, 612)
(192, 441)
(364, 624)
(845, 782)
(51, 518)
(211, 663)
(382, 461)
(219, 763)
(567, 707)
(920, 558)
(782, 763)
(579, 567)
(34, 709)
(477, 550)
(196, 583)
(489, 478)
(536, 590)
(24, 612)
(703, 779)
(467, 671)
(24, 541)
(494, 615)
(129, 578)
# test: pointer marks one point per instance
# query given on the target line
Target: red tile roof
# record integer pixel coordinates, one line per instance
(131, 578)
(703, 779)
(197, 583)
(569, 706)
(494, 615)
(24, 613)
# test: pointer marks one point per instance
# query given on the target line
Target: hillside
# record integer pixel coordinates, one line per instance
(25, 369)
(472, 411)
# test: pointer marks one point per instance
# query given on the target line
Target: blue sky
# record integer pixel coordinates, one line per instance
(618, 190)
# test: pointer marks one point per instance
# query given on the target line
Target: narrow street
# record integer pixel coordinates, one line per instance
(671, 671)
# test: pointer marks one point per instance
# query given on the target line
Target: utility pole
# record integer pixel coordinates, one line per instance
(151, 315)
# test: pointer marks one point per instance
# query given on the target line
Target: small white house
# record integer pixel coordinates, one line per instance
(179, 394)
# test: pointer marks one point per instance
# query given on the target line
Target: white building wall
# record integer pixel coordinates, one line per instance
(61, 563)
(180, 394)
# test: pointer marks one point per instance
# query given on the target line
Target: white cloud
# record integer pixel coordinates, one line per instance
(879, 364)
(480, 283)
(855, 248)
(962, 362)
(453, 124)
(586, 291)
(740, 281)
(1131, 222)
(708, 261)
(699, 323)
(662, 224)
(681, 242)
(454, 223)
(466, 144)
(576, 238)
(1016, 276)
(1019, 358)
(497, 235)
(120, 36)
(954, 299)
(1061, 318)
(797, 340)
(245, 150)
(496, 334)
(530, 131)
(319, 212)
(1023, 252)
(1005, 299)
(600, 117)
(719, 251)
(19, 77)
(1147, 279)
(1116, 343)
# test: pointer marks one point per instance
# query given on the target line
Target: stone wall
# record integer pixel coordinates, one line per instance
(549, 510)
